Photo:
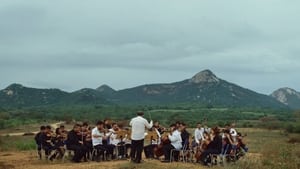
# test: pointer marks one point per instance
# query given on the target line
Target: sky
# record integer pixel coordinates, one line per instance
(74, 44)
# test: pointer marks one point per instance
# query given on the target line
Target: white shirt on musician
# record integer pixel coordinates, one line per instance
(97, 140)
(233, 134)
(199, 135)
(113, 137)
(176, 139)
(138, 125)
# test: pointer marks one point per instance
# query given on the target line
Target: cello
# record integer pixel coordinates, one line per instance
(202, 147)
(158, 151)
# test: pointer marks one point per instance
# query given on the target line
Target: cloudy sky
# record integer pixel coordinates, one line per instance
(72, 44)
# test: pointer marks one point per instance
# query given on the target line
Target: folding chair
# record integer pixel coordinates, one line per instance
(182, 150)
(95, 153)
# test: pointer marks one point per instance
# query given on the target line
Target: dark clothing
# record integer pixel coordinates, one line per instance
(167, 152)
(216, 143)
(109, 149)
(73, 144)
(38, 139)
(214, 147)
(136, 150)
(45, 140)
(46, 143)
(149, 150)
(73, 139)
(185, 138)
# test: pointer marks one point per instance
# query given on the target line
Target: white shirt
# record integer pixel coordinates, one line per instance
(113, 137)
(138, 125)
(98, 140)
(176, 139)
(199, 135)
(233, 134)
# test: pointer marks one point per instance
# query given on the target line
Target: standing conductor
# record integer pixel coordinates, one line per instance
(138, 125)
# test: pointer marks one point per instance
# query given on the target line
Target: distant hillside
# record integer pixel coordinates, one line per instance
(287, 96)
(203, 89)
(16, 95)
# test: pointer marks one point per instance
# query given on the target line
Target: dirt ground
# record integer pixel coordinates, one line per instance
(28, 160)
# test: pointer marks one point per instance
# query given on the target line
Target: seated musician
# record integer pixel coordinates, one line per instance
(98, 135)
(127, 141)
(203, 146)
(76, 144)
(185, 135)
(113, 134)
(233, 135)
(86, 137)
(241, 143)
(227, 142)
(154, 136)
(38, 140)
(46, 140)
(118, 140)
(175, 142)
(59, 142)
(214, 147)
(199, 134)
(157, 126)
(63, 129)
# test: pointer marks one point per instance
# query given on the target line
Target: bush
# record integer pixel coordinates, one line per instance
(293, 128)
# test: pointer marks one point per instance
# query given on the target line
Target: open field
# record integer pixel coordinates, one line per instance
(268, 149)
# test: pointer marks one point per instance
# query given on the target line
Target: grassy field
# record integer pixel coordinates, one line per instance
(270, 149)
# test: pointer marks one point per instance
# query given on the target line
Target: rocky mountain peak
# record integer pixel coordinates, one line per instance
(105, 88)
(205, 76)
(283, 94)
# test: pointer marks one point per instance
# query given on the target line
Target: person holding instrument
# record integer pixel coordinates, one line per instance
(75, 144)
(175, 142)
(138, 125)
(98, 136)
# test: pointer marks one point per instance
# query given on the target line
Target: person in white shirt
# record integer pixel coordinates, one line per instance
(98, 135)
(199, 134)
(175, 143)
(233, 132)
(138, 125)
(113, 134)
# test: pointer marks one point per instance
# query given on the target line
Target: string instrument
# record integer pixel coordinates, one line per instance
(201, 148)
(158, 151)
(121, 134)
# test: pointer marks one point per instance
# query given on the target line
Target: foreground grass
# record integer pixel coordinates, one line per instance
(269, 149)
(17, 143)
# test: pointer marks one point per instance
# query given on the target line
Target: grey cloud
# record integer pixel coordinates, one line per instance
(148, 41)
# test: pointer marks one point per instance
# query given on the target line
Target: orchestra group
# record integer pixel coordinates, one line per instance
(110, 141)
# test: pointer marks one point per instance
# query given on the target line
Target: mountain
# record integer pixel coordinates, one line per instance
(106, 90)
(205, 88)
(17, 95)
(287, 96)
(85, 96)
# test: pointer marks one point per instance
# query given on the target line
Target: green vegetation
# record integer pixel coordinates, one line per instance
(261, 118)
(17, 143)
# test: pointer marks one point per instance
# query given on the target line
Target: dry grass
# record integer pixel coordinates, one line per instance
(268, 150)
